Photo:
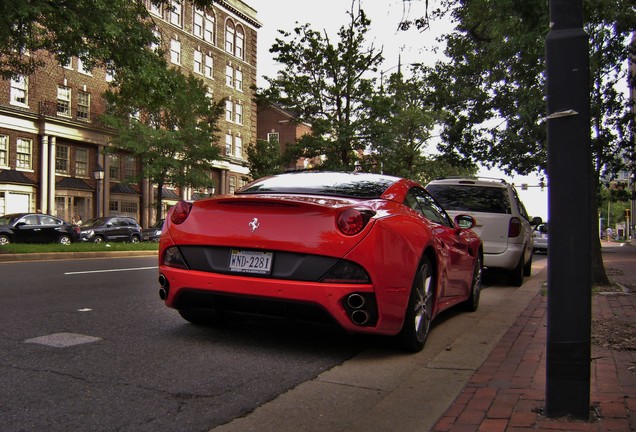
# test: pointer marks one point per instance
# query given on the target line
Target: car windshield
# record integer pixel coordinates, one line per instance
(158, 224)
(7, 219)
(94, 222)
(350, 185)
(471, 198)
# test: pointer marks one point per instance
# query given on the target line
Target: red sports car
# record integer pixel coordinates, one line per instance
(371, 253)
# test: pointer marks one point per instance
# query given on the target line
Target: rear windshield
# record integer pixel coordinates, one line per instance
(350, 185)
(471, 198)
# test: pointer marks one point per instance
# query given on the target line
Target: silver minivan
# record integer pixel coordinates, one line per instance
(502, 221)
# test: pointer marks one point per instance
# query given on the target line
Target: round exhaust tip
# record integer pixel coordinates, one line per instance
(355, 301)
(163, 294)
(359, 317)
(163, 281)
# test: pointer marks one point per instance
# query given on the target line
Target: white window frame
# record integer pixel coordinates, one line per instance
(229, 110)
(228, 144)
(154, 46)
(81, 162)
(20, 91)
(208, 28)
(4, 150)
(155, 9)
(238, 113)
(176, 13)
(64, 101)
(208, 69)
(175, 51)
(83, 105)
(81, 68)
(229, 36)
(24, 153)
(62, 159)
(229, 76)
(238, 147)
(238, 80)
(197, 23)
(198, 62)
(239, 42)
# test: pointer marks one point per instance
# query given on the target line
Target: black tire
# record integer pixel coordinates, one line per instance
(135, 239)
(515, 276)
(198, 317)
(419, 311)
(64, 240)
(4, 239)
(98, 239)
(527, 268)
(472, 302)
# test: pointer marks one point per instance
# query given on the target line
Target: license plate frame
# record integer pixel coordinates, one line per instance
(250, 261)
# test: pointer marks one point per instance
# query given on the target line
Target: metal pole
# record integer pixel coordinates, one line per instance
(569, 201)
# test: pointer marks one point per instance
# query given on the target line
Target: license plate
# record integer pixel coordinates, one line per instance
(243, 261)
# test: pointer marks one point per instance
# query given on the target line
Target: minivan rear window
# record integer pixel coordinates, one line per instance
(471, 198)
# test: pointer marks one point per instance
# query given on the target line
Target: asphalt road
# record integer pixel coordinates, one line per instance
(88, 345)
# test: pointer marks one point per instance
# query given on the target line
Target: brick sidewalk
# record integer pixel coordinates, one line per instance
(507, 393)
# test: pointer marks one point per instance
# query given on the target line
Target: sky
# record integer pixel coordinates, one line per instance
(412, 46)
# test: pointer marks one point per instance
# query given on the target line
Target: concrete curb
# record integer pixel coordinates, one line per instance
(71, 255)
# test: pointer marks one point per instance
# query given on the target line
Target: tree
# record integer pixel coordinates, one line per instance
(325, 85)
(103, 33)
(264, 159)
(168, 120)
(491, 89)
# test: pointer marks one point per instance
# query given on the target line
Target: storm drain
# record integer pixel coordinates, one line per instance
(62, 340)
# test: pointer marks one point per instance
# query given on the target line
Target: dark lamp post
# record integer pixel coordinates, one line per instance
(98, 174)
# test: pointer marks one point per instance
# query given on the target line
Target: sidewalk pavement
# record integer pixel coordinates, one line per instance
(507, 393)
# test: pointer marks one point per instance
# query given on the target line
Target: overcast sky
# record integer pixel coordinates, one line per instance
(412, 46)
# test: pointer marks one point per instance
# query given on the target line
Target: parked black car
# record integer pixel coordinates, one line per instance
(153, 233)
(36, 228)
(111, 229)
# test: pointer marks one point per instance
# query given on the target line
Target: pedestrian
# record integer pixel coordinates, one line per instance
(78, 222)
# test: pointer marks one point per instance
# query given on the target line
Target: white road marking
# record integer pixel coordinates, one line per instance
(111, 270)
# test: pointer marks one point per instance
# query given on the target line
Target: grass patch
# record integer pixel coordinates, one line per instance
(21, 248)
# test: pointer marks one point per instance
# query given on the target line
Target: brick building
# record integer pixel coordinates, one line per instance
(51, 141)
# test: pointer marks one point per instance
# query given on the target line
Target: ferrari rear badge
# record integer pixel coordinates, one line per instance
(254, 224)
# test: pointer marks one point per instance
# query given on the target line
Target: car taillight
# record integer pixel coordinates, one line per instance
(180, 212)
(514, 227)
(352, 221)
(347, 272)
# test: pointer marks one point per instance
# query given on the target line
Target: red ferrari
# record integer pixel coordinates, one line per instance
(371, 253)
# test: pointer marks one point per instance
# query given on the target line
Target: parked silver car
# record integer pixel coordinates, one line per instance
(541, 238)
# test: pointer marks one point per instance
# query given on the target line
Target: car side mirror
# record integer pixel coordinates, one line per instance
(109, 224)
(536, 221)
(19, 224)
(464, 221)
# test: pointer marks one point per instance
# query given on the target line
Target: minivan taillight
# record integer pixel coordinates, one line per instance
(514, 227)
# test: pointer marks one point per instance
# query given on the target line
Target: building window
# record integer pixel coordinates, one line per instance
(175, 51)
(81, 67)
(4, 150)
(130, 208)
(64, 101)
(232, 184)
(228, 144)
(83, 105)
(113, 206)
(208, 28)
(209, 66)
(238, 113)
(229, 37)
(155, 9)
(19, 91)
(197, 25)
(238, 80)
(156, 44)
(23, 153)
(81, 162)
(229, 110)
(239, 42)
(130, 166)
(209, 93)
(238, 147)
(61, 159)
(176, 13)
(198, 62)
(229, 76)
(113, 167)
(273, 137)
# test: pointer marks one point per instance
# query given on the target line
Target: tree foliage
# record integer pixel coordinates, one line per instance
(170, 123)
(324, 84)
(265, 159)
(108, 33)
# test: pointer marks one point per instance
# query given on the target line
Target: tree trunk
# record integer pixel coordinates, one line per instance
(159, 200)
(599, 277)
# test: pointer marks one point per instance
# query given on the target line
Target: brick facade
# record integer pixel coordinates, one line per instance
(67, 141)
